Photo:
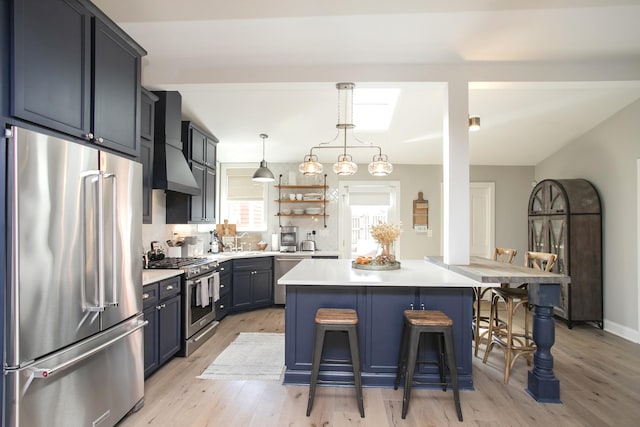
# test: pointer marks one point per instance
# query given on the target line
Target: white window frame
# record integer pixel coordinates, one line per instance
(224, 204)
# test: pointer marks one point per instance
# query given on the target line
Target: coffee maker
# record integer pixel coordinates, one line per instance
(288, 238)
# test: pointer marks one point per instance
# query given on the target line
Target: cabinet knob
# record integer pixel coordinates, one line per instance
(100, 140)
(221, 306)
(89, 136)
(411, 306)
(145, 296)
(221, 286)
(221, 268)
(421, 306)
(169, 288)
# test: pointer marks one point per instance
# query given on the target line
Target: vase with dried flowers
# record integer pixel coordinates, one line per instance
(385, 235)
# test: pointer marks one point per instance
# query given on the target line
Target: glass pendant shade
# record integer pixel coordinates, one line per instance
(263, 174)
(345, 166)
(310, 165)
(380, 166)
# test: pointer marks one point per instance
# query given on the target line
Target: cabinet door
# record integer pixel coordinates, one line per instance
(198, 146)
(116, 91)
(150, 340)
(210, 159)
(198, 202)
(52, 65)
(557, 243)
(146, 157)
(169, 326)
(241, 294)
(210, 195)
(538, 234)
(262, 287)
(383, 336)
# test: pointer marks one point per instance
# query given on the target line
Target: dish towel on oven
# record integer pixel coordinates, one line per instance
(216, 286)
(202, 293)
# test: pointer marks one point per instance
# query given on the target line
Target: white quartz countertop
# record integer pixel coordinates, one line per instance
(338, 272)
(155, 275)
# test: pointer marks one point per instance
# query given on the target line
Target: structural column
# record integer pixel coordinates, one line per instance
(455, 174)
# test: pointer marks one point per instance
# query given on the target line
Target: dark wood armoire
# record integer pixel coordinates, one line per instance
(565, 219)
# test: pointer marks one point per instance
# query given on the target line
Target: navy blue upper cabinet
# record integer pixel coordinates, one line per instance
(76, 72)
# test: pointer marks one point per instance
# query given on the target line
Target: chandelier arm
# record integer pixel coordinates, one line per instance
(329, 142)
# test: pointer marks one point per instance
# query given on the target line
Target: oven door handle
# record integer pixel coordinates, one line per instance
(195, 280)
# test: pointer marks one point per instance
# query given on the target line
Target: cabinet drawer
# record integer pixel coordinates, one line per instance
(225, 283)
(264, 263)
(169, 287)
(222, 306)
(150, 295)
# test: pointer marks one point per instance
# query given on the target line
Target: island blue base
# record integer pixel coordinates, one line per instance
(380, 326)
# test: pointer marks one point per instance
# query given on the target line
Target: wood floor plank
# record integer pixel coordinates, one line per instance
(599, 385)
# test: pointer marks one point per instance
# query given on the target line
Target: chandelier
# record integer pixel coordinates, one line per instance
(345, 165)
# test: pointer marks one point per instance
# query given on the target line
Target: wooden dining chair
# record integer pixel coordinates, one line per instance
(481, 323)
(501, 331)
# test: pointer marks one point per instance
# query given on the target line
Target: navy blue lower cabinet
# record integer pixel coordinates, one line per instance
(252, 283)
(380, 318)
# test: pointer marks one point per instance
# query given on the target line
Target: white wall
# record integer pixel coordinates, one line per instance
(607, 157)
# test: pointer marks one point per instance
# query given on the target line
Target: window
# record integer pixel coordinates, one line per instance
(243, 200)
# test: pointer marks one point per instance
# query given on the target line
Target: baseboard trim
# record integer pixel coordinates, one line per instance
(622, 331)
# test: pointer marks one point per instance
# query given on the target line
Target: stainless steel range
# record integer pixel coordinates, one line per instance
(200, 289)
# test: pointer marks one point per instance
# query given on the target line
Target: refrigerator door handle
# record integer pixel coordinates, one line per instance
(94, 176)
(44, 373)
(114, 246)
(100, 233)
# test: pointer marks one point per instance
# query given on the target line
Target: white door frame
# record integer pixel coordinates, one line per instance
(344, 213)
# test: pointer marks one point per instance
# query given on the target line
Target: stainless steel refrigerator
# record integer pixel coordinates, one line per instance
(73, 323)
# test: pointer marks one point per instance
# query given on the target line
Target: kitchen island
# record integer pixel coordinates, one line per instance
(379, 298)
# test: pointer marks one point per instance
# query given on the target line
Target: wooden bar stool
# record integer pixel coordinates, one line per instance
(336, 320)
(417, 322)
(481, 323)
(515, 343)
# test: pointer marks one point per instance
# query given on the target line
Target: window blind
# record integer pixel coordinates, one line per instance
(240, 186)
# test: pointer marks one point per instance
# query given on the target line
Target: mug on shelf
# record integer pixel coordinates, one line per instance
(299, 196)
(292, 196)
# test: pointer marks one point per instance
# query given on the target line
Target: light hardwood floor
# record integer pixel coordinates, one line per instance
(599, 383)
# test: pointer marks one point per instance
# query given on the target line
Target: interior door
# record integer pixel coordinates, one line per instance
(482, 216)
(122, 238)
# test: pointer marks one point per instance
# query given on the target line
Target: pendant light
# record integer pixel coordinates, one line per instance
(345, 165)
(310, 165)
(263, 174)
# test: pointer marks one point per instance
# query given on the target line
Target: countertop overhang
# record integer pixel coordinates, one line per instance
(338, 272)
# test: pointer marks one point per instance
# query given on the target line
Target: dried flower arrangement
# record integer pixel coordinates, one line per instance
(385, 235)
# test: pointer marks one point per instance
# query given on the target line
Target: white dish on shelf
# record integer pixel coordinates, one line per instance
(285, 211)
(313, 211)
(313, 196)
(298, 211)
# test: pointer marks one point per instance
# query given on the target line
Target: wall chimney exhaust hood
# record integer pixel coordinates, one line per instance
(170, 169)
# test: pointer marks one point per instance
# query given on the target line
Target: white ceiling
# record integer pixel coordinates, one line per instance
(257, 66)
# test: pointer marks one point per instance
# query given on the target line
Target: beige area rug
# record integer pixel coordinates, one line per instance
(251, 356)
